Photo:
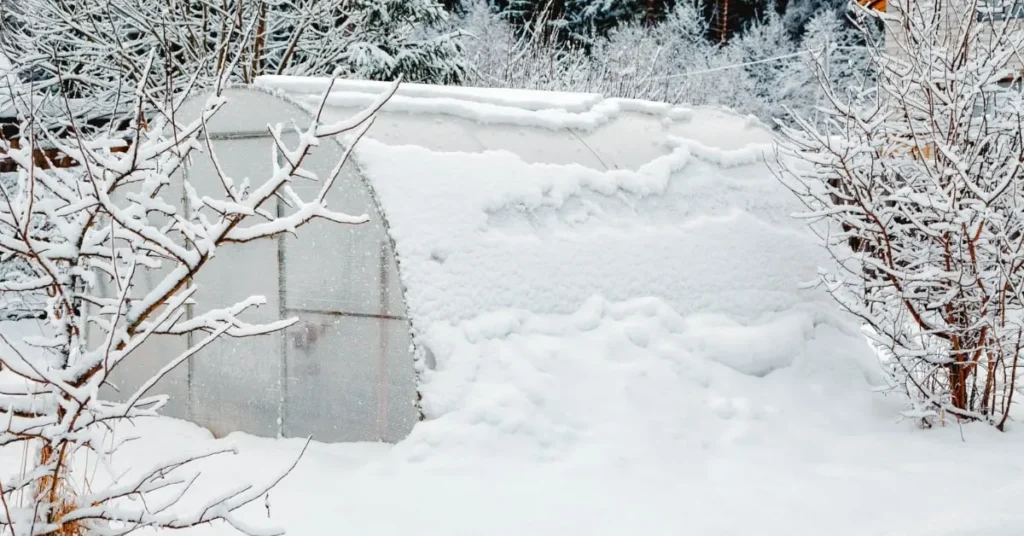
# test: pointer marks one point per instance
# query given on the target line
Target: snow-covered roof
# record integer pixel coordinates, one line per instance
(537, 201)
(586, 270)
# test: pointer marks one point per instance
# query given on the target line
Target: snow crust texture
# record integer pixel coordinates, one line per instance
(596, 279)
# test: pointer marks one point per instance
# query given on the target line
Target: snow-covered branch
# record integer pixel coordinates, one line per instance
(111, 246)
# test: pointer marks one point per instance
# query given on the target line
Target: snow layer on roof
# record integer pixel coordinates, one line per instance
(536, 126)
(538, 202)
(604, 286)
(476, 232)
(515, 98)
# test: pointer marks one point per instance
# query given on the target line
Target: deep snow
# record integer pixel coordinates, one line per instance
(804, 482)
(624, 425)
(616, 352)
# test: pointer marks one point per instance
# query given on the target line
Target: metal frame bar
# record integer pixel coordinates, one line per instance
(282, 307)
(243, 135)
(383, 368)
(343, 313)
(189, 309)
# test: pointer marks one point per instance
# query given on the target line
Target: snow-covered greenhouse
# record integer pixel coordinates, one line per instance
(481, 202)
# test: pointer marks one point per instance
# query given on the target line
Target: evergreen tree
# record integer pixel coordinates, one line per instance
(730, 18)
(591, 18)
(769, 79)
(401, 37)
(842, 48)
(799, 13)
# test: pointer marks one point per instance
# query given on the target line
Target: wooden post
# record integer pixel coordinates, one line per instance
(725, 21)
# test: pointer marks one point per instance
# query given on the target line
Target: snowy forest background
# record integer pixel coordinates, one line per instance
(756, 57)
(753, 56)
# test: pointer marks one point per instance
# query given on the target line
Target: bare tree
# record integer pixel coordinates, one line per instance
(917, 185)
(92, 236)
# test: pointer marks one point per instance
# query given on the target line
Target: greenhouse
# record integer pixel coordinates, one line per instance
(480, 201)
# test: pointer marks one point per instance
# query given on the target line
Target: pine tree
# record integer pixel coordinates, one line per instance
(843, 49)
(402, 37)
(592, 18)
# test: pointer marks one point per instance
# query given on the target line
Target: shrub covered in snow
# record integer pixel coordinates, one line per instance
(918, 179)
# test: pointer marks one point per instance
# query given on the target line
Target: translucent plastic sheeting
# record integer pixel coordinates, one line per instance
(156, 352)
(329, 375)
(342, 268)
(454, 134)
(345, 371)
(236, 382)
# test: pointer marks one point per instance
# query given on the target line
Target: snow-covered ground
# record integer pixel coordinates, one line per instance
(628, 424)
(622, 352)
(795, 481)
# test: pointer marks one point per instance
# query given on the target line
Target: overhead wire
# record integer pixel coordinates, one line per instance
(757, 62)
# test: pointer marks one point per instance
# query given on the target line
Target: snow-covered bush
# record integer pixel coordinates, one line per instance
(132, 233)
(918, 183)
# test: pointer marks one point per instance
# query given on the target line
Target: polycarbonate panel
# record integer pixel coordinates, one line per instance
(236, 381)
(446, 133)
(158, 350)
(723, 135)
(350, 375)
(538, 145)
(336, 267)
(349, 379)
(345, 372)
(433, 131)
(143, 364)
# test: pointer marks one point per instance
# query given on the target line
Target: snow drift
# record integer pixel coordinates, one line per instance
(593, 275)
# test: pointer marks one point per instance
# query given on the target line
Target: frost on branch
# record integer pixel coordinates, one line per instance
(110, 247)
(916, 183)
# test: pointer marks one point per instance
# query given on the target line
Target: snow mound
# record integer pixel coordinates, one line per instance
(596, 279)
(513, 98)
(628, 381)
(480, 232)
(538, 127)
